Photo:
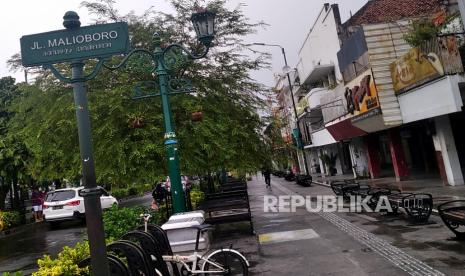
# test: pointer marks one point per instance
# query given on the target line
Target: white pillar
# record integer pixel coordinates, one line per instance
(445, 143)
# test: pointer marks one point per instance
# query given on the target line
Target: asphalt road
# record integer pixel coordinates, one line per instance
(20, 250)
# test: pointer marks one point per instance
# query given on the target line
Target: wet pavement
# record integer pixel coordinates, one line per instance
(20, 250)
(299, 243)
(305, 243)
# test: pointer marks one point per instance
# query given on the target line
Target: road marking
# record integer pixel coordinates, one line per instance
(286, 236)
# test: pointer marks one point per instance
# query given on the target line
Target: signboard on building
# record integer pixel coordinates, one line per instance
(361, 95)
(433, 59)
(101, 40)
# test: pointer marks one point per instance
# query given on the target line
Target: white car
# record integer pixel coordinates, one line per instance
(67, 204)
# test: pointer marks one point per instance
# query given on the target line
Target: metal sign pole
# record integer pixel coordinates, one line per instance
(91, 194)
(77, 44)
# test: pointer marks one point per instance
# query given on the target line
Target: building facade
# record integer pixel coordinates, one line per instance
(376, 106)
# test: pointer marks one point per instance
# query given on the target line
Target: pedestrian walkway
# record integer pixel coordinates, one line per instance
(304, 243)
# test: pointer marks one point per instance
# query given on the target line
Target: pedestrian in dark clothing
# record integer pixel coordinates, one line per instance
(267, 175)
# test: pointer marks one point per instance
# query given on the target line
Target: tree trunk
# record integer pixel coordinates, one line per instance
(16, 199)
(211, 185)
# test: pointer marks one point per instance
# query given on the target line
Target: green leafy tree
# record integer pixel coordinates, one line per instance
(228, 137)
(13, 152)
(277, 149)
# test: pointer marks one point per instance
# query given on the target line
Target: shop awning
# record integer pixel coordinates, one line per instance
(344, 130)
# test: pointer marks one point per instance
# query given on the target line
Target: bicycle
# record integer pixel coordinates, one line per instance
(224, 261)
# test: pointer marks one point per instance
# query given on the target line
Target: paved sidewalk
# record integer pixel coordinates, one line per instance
(304, 243)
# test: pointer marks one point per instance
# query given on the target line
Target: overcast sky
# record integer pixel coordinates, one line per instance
(289, 21)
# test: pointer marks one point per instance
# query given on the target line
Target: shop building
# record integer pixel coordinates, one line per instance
(428, 82)
(362, 95)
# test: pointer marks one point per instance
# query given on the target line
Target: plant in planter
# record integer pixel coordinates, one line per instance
(424, 29)
(421, 30)
(330, 162)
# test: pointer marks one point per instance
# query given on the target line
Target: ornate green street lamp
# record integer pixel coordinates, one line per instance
(164, 59)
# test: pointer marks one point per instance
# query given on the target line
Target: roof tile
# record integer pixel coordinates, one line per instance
(377, 11)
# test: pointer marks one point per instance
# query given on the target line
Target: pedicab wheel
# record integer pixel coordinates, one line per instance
(230, 262)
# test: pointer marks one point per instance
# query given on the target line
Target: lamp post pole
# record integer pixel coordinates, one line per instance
(290, 83)
(177, 192)
(292, 93)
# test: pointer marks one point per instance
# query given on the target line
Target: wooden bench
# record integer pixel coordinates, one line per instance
(227, 207)
(453, 215)
(233, 186)
(418, 206)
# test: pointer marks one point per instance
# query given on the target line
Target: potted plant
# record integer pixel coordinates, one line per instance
(330, 162)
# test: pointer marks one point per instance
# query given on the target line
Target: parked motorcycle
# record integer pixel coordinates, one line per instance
(289, 176)
(304, 180)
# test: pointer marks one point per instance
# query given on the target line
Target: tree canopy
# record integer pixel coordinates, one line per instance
(227, 137)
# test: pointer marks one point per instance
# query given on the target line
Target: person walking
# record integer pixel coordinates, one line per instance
(267, 175)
